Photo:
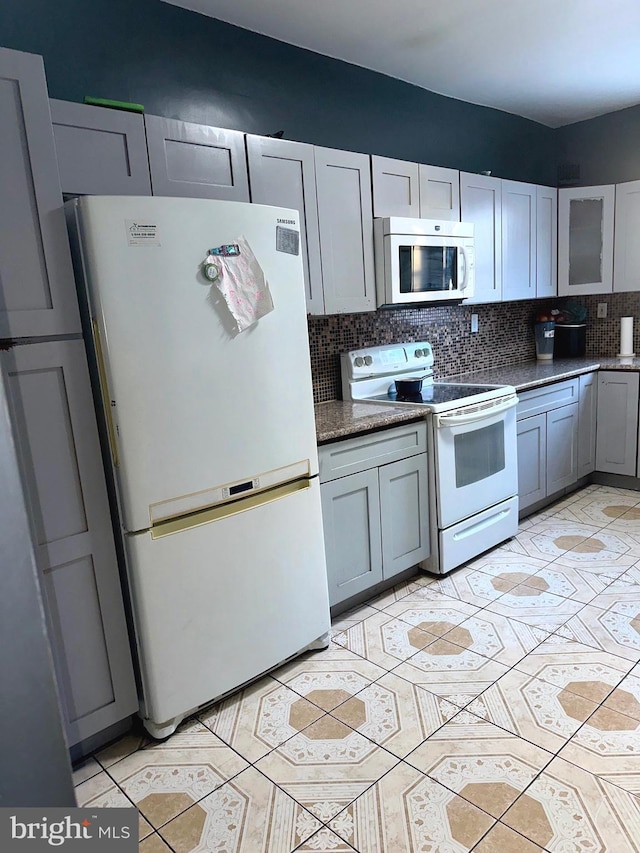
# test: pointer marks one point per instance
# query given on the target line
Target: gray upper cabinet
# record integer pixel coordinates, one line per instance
(196, 161)
(481, 203)
(518, 240)
(343, 185)
(439, 193)
(38, 293)
(100, 151)
(396, 187)
(61, 466)
(546, 241)
(283, 173)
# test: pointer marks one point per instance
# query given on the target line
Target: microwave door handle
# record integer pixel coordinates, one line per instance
(472, 417)
(465, 270)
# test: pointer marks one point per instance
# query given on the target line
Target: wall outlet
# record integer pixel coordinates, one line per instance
(602, 310)
(474, 323)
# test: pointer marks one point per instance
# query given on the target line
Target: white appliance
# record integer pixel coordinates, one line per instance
(472, 451)
(421, 261)
(212, 443)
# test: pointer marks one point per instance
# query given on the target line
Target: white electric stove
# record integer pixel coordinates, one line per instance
(472, 452)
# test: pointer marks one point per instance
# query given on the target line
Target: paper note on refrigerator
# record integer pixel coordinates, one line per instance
(243, 285)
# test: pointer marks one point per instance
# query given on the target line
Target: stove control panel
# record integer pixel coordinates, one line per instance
(387, 359)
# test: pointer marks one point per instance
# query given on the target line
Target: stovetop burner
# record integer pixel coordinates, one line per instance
(438, 392)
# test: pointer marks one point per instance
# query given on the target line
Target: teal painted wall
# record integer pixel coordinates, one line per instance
(183, 65)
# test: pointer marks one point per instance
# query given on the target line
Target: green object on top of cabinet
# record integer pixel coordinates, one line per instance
(113, 105)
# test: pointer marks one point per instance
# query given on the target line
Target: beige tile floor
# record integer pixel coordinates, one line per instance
(495, 710)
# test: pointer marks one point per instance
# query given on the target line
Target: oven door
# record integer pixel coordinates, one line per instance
(475, 458)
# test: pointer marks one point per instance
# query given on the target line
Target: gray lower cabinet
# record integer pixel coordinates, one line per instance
(196, 161)
(587, 423)
(617, 440)
(38, 294)
(61, 466)
(548, 438)
(100, 151)
(375, 511)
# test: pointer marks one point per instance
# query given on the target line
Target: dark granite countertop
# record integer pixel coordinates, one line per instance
(340, 419)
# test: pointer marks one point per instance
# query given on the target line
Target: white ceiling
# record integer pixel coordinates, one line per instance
(554, 61)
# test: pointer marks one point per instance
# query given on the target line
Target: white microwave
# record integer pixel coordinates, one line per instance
(419, 261)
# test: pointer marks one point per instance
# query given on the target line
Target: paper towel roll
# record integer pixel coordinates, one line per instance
(626, 336)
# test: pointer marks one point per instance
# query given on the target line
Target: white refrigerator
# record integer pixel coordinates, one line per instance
(212, 441)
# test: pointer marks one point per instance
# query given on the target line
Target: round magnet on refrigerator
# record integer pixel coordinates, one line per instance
(211, 272)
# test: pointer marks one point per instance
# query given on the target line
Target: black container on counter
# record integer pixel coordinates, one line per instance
(570, 340)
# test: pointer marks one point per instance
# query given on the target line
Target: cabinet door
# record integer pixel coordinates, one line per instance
(196, 161)
(59, 454)
(562, 448)
(546, 242)
(396, 187)
(626, 264)
(351, 520)
(532, 460)
(439, 193)
(587, 424)
(38, 292)
(617, 437)
(283, 174)
(100, 151)
(585, 240)
(481, 203)
(343, 183)
(518, 240)
(404, 512)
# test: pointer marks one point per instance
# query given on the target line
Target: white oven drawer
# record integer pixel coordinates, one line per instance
(466, 540)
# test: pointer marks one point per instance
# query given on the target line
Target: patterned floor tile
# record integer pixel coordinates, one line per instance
(407, 811)
(535, 710)
(400, 590)
(567, 810)
(598, 509)
(581, 669)
(384, 640)
(606, 630)
(632, 575)
(436, 614)
(627, 521)
(501, 839)
(621, 597)
(608, 745)
(395, 714)
(326, 766)
(165, 779)
(501, 561)
(329, 684)
(478, 587)
(85, 770)
(101, 792)
(550, 538)
(626, 697)
(260, 717)
(121, 748)
(153, 844)
(483, 763)
(568, 582)
(246, 815)
(451, 671)
(535, 606)
(495, 636)
(350, 618)
(325, 841)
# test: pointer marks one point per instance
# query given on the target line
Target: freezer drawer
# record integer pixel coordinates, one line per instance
(218, 604)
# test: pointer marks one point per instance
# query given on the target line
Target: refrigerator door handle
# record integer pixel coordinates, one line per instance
(216, 513)
(104, 391)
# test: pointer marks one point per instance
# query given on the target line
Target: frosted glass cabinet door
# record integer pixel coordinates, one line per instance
(351, 520)
(283, 174)
(100, 151)
(585, 240)
(196, 161)
(38, 295)
(59, 455)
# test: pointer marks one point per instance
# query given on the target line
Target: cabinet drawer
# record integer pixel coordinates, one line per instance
(369, 451)
(549, 397)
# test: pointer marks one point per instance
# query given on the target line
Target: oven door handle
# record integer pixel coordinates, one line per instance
(472, 417)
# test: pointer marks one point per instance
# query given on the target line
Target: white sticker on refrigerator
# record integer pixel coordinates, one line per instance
(141, 232)
(287, 240)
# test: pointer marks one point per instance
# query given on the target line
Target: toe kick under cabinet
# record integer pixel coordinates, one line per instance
(375, 507)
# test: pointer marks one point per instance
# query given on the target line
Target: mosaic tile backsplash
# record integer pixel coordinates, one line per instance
(504, 337)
